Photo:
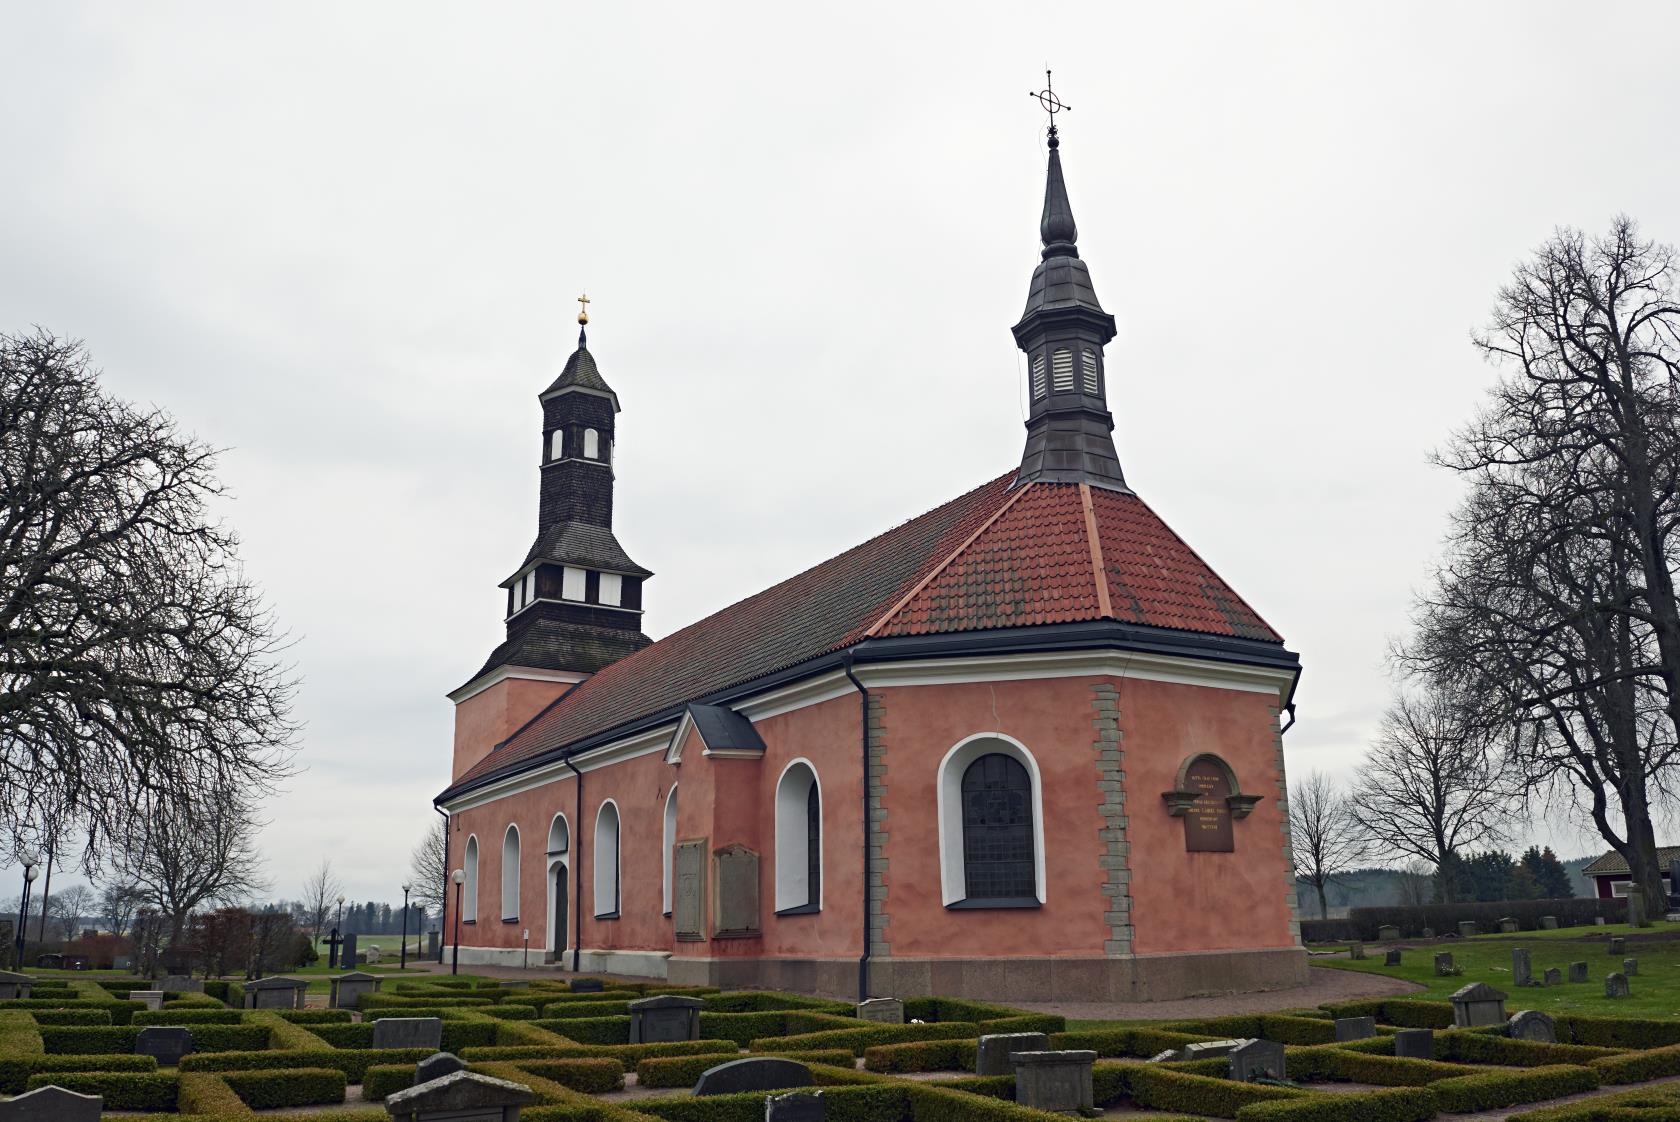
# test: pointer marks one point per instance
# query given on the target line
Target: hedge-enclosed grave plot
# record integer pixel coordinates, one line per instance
(575, 1050)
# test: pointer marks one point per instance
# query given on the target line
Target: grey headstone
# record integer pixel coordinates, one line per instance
(347, 952)
(437, 1065)
(275, 993)
(180, 983)
(15, 986)
(991, 1056)
(1165, 1057)
(1636, 908)
(1429, 933)
(1630, 966)
(152, 998)
(122, 962)
(1553, 976)
(1522, 968)
(795, 1106)
(52, 1104)
(1466, 928)
(881, 1010)
(1615, 985)
(1444, 965)
(659, 1020)
(1478, 1004)
(1392, 958)
(1598, 921)
(1616, 946)
(461, 1096)
(1508, 926)
(737, 880)
(1257, 1059)
(588, 985)
(1055, 1081)
(1357, 951)
(1355, 1028)
(1548, 923)
(1387, 933)
(1209, 1049)
(1577, 971)
(349, 989)
(754, 1073)
(168, 1044)
(408, 1032)
(1415, 1044)
(433, 944)
(1532, 1025)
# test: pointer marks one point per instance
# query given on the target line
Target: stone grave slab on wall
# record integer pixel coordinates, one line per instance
(349, 989)
(1532, 1025)
(1577, 971)
(736, 910)
(15, 986)
(437, 1065)
(688, 904)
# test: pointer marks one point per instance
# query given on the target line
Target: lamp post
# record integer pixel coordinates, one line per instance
(23, 903)
(403, 965)
(457, 878)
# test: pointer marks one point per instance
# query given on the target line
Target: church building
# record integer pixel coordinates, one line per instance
(1026, 746)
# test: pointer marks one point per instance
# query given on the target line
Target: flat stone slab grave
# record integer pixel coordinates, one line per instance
(408, 1032)
(753, 1073)
(52, 1104)
(992, 1055)
(168, 1044)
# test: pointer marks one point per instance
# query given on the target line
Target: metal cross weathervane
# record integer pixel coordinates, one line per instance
(583, 308)
(1052, 104)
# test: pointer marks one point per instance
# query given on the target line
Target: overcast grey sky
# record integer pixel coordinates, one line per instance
(343, 240)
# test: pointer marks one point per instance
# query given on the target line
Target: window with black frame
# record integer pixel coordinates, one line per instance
(813, 846)
(998, 829)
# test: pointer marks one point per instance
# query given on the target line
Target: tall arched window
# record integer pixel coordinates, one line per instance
(606, 861)
(558, 883)
(510, 873)
(798, 840)
(991, 825)
(591, 444)
(559, 838)
(469, 887)
(670, 845)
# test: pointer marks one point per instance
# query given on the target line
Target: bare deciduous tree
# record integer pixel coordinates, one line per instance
(190, 855)
(429, 866)
(1325, 837)
(74, 903)
(320, 892)
(118, 901)
(136, 664)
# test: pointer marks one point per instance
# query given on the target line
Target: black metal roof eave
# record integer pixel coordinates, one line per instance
(1092, 635)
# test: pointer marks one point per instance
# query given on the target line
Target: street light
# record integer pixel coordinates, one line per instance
(407, 888)
(29, 860)
(458, 878)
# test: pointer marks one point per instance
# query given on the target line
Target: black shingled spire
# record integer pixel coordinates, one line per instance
(1063, 330)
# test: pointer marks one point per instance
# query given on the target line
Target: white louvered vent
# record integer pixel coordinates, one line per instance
(1090, 362)
(1061, 371)
(1038, 385)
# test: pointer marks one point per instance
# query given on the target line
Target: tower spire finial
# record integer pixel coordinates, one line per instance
(1052, 105)
(1056, 227)
(583, 319)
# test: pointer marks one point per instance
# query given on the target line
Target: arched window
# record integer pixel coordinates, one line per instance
(559, 837)
(557, 883)
(591, 444)
(798, 840)
(670, 845)
(510, 873)
(469, 888)
(606, 861)
(991, 825)
(556, 444)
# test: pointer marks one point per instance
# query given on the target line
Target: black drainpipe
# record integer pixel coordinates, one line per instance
(577, 864)
(863, 713)
(443, 928)
(1290, 709)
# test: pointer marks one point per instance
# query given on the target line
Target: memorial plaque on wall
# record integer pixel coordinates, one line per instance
(737, 892)
(1207, 824)
(688, 906)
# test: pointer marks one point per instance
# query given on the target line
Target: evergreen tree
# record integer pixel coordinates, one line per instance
(1548, 873)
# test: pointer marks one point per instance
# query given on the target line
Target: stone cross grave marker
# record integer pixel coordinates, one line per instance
(660, 1020)
(462, 1096)
(1257, 1059)
(1531, 1025)
(1355, 1028)
(1466, 928)
(166, 1043)
(1416, 1044)
(1577, 971)
(992, 1055)
(881, 1010)
(1444, 964)
(1478, 1004)
(152, 998)
(1055, 1081)
(1615, 985)
(52, 1104)
(754, 1073)
(1392, 958)
(408, 1032)
(349, 989)
(437, 1065)
(1522, 968)
(1630, 966)
(795, 1106)
(1553, 976)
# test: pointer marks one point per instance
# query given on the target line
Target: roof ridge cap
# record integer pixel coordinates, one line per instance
(945, 564)
(1105, 602)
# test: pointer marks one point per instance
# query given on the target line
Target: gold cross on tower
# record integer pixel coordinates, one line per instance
(583, 308)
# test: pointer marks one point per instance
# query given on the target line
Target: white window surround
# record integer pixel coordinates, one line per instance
(793, 788)
(591, 444)
(469, 887)
(572, 583)
(612, 589)
(510, 873)
(608, 887)
(669, 846)
(559, 836)
(953, 883)
(557, 857)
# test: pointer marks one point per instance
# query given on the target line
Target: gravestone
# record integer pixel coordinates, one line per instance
(1357, 951)
(1355, 1028)
(275, 993)
(1598, 921)
(1531, 1025)
(1522, 968)
(152, 998)
(737, 879)
(1055, 1081)
(347, 952)
(1577, 971)
(1257, 1059)
(1392, 958)
(1444, 965)
(1429, 933)
(1548, 923)
(1466, 928)
(1554, 976)
(660, 1020)
(1415, 1044)
(167, 1044)
(688, 906)
(408, 1032)
(373, 954)
(1636, 909)
(1615, 985)
(881, 1010)
(180, 983)
(588, 985)
(991, 1056)
(1508, 926)
(795, 1106)
(1209, 1049)
(434, 944)
(1387, 933)
(461, 1096)
(754, 1073)
(1478, 1004)
(52, 1104)
(348, 989)
(122, 962)
(1616, 946)
(437, 1065)
(1630, 966)
(15, 986)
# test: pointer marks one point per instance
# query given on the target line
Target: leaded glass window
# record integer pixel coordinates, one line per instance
(997, 829)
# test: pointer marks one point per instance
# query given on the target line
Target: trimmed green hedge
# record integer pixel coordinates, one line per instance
(859, 1040)
(99, 1016)
(1272, 1026)
(456, 1034)
(1655, 1104)
(1399, 1104)
(1616, 1032)
(16, 1070)
(1399, 1012)
(188, 1016)
(879, 1103)
(922, 1055)
(1327, 1062)
(765, 1001)
(1637, 1067)
(353, 1062)
(1154, 1086)
(1464, 1046)
(314, 1016)
(121, 1090)
(594, 1076)
(266, 1090)
(1491, 1090)
(1125, 1041)
(627, 1054)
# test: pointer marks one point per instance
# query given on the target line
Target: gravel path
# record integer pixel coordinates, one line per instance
(1324, 985)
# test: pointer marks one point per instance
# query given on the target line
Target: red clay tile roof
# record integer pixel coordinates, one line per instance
(994, 558)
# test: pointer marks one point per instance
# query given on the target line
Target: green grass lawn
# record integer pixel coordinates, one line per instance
(1654, 991)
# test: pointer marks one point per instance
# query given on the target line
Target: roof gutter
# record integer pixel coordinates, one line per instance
(868, 901)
